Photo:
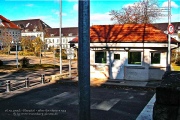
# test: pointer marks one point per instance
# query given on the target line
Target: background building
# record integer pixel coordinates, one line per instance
(32, 27)
(10, 34)
(128, 51)
(67, 35)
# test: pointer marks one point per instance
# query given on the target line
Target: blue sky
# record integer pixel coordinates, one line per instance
(48, 10)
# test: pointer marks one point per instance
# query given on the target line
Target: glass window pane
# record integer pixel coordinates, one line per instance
(116, 56)
(134, 58)
(100, 57)
(155, 58)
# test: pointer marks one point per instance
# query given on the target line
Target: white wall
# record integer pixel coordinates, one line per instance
(14, 33)
(120, 69)
(65, 41)
(36, 34)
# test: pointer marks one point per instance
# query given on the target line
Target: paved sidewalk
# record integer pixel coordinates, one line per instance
(119, 83)
(130, 83)
(147, 112)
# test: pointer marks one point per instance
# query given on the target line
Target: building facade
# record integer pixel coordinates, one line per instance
(67, 34)
(32, 27)
(10, 33)
(129, 51)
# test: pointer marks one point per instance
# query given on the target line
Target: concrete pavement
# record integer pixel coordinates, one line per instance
(146, 113)
(106, 103)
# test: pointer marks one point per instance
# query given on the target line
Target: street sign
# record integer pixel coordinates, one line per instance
(70, 57)
(70, 53)
(170, 29)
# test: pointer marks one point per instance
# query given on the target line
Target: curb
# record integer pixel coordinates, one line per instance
(11, 94)
(107, 84)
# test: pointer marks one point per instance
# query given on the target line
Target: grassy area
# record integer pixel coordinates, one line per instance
(175, 67)
(31, 67)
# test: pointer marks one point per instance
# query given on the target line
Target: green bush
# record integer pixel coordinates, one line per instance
(1, 63)
(38, 54)
(24, 62)
(26, 53)
(64, 55)
(4, 51)
(177, 61)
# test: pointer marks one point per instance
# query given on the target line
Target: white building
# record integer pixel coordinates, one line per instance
(129, 51)
(32, 27)
(9, 32)
(67, 34)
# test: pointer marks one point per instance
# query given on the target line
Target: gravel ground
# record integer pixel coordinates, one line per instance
(47, 58)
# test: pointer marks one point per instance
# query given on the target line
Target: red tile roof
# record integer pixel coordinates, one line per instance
(7, 23)
(126, 33)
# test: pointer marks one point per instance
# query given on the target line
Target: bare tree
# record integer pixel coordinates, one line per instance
(6, 39)
(144, 11)
(26, 43)
(38, 43)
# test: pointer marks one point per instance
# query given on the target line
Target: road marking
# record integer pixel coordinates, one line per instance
(146, 113)
(65, 96)
(56, 99)
(105, 105)
(76, 102)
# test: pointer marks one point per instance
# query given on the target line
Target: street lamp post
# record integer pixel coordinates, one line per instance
(1, 46)
(60, 49)
(40, 55)
(169, 37)
(54, 52)
(16, 54)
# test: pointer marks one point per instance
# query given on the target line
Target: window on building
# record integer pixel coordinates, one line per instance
(155, 58)
(116, 56)
(70, 34)
(26, 30)
(100, 57)
(64, 40)
(134, 58)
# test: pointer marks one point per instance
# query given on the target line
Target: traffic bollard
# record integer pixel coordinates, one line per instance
(26, 82)
(42, 78)
(8, 86)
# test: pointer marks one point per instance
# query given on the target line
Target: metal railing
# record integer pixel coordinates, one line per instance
(9, 86)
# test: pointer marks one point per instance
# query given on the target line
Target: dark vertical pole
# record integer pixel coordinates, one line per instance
(84, 59)
(42, 79)
(26, 82)
(8, 86)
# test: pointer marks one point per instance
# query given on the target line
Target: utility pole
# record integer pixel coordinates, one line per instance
(16, 52)
(169, 37)
(84, 59)
(60, 42)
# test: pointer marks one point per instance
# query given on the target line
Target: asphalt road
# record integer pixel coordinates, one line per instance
(60, 102)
